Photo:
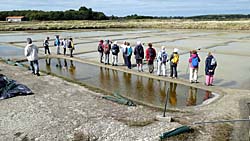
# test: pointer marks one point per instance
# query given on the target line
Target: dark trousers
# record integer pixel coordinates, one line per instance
(125, 59)
(34, 66)
(46, 49)
(71, 52)
(173, 70)
(64, 51)
(128, 61)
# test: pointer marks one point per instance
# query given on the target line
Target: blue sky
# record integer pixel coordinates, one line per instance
(140, 7)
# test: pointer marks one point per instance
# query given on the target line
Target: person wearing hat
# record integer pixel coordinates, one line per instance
(115, 50)
(31, 52)
(139, 55)
(161, 61)
(174, 59)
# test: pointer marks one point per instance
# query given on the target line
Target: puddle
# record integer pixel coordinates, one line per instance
(141, 89)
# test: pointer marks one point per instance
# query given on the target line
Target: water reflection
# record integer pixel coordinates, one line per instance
(143, 89)
(172, 94)
(191, 98)
(72, 70)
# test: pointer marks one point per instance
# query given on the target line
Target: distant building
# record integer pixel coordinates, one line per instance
(15, 18)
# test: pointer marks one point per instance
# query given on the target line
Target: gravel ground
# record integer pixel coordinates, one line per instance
(59, 110)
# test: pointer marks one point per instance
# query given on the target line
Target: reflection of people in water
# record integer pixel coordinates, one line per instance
(65, 66)
(139, 88)
(115, 80)
(47, 62)
(72, 69)
(191, 98)
(172, 94)
(162, 85)
(207, 95)
(59, 64)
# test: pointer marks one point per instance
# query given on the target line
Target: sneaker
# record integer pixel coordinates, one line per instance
(38, 74)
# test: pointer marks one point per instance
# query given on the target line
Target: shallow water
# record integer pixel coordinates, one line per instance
(10, 52)
(137, 88)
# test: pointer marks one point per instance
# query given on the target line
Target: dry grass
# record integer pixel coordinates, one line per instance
(146, 23)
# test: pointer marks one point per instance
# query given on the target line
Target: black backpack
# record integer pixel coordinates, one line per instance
(100, 48)
(151, 53)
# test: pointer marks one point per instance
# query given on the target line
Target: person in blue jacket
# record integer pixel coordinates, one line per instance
(210, 67)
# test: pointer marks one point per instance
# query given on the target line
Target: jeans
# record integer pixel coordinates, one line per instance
(101, 56)
(193, 77)
(173, 70)
(161, 68)
(58, 49)
(34, 66)
(106, 58)
(128, 60)
(46, 49)
(114, 59)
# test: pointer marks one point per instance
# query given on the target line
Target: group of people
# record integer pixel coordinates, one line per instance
(31, 51)
(106, 47)
(58, 44)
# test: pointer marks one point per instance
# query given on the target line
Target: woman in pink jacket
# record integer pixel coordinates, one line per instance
(194, 65)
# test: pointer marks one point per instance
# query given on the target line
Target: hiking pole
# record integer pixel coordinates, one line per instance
(165, 108)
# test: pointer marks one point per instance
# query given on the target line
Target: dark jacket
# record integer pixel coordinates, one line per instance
(209, 68)
(115, 49)
(139, 52)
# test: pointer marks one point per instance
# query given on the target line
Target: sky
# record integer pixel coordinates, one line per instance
(139, 7)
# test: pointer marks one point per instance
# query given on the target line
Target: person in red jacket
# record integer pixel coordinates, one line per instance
(150, 56)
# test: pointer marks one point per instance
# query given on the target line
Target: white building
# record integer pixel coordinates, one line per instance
(15, 18)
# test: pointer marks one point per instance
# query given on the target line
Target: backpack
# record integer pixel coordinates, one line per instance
(45, 43)
(140, 50)
(100, 48)
(62, 43)
(115, 50)
(70, 44)
(151, 53)
(213, 62)
(175, 59)
(195, 62)
(106, 49)
(164, 57)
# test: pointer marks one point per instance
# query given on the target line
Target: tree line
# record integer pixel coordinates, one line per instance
(87, 14)
(82, 14)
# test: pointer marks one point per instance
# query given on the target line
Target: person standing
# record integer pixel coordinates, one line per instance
(124, 52)
(64, 44)
(31, 52)
(46, 45)
(139, 55)
(107, 48)
(57, 44)
(71, 46)
(162, 59)
(150, 57)
(210, 67)
(115, 50)
(194, 66)
(129, 54)
(174, 59)
(100, 49)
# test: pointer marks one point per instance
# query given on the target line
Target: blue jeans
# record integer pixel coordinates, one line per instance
(34, 66)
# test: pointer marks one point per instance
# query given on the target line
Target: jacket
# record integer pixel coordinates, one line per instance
(31, 52)
(190, 60)
(210, 69)
(172, 57)
(152, 57)
(139, 52)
